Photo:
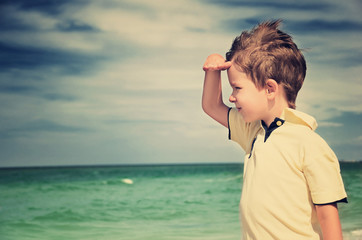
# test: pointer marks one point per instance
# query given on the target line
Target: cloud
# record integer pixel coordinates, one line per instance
(303, 26)
(347, 56)
(329, 124)
(17, 89)
(43, 6)
(358, 140)
(33, 28)
(344, 126)
(75, 26)
(152, 25)
(321, 25)
(59, 97)
(284, 5)
(43, 125)
(27, 57)
(121, 81)
(342, 134)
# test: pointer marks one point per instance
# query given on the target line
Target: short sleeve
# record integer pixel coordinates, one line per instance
(241, 132)
(322, 171)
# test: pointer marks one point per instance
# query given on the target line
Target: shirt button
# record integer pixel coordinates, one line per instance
(279, 123)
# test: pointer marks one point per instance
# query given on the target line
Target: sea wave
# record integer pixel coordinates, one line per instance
(66, 216)
(353, 235)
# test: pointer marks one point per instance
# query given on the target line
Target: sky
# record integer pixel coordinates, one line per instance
(120, 81)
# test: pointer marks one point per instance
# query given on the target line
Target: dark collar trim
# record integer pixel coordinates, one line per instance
(229, 123)
(274, 125)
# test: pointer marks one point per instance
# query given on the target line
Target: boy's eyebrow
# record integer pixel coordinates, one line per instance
(233, 83)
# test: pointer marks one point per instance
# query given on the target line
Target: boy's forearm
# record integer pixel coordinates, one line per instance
(211, 95)
(329, 220)
(212, 102)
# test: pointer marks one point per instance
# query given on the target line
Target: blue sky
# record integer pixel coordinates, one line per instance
(120, 82)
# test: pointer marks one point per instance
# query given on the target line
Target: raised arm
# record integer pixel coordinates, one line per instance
(212, 102)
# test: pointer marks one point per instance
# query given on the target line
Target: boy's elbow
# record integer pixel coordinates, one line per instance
(216, 112)
(206, 108)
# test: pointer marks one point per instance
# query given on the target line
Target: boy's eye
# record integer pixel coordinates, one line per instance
(237, 88)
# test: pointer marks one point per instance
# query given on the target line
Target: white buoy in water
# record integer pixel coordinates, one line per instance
(127, 181)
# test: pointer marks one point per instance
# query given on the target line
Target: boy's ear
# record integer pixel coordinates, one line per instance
(271, 88)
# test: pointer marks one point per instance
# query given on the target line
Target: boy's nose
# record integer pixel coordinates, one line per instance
(232, 99)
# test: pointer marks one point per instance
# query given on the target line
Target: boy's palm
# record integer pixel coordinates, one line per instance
(216, 62)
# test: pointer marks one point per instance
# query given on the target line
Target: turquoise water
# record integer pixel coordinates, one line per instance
(138, 202)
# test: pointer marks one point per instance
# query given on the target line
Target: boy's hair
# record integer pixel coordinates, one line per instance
(268, 53)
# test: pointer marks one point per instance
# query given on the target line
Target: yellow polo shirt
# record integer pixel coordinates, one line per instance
(286, 172)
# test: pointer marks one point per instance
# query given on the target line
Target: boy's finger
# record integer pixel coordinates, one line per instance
(226, 65)
(221, 67)
(213, 68)
(207, 67)
(218, 65)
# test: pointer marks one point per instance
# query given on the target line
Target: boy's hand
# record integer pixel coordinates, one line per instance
(216, 62)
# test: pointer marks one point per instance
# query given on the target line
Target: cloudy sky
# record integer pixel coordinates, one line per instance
(120, 81)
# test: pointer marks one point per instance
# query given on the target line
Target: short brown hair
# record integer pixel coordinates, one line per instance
(268, 53)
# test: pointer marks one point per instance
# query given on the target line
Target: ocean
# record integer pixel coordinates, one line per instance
(158, 202)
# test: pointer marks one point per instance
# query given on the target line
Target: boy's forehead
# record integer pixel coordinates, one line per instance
(234, 68)
(236, 75)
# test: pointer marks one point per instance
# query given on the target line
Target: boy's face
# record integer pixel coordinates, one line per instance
(251, 102)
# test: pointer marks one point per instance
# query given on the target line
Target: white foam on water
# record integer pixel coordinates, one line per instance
(127, 181)
(357, 233)
(353, 235)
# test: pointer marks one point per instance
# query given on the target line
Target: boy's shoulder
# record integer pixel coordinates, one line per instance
(302, 127)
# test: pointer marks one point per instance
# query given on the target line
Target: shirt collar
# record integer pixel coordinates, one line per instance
(297, 117)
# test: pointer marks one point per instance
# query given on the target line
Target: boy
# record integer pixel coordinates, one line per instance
(292, 180)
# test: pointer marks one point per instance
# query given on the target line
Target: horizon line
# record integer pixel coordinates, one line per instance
(138, 165)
